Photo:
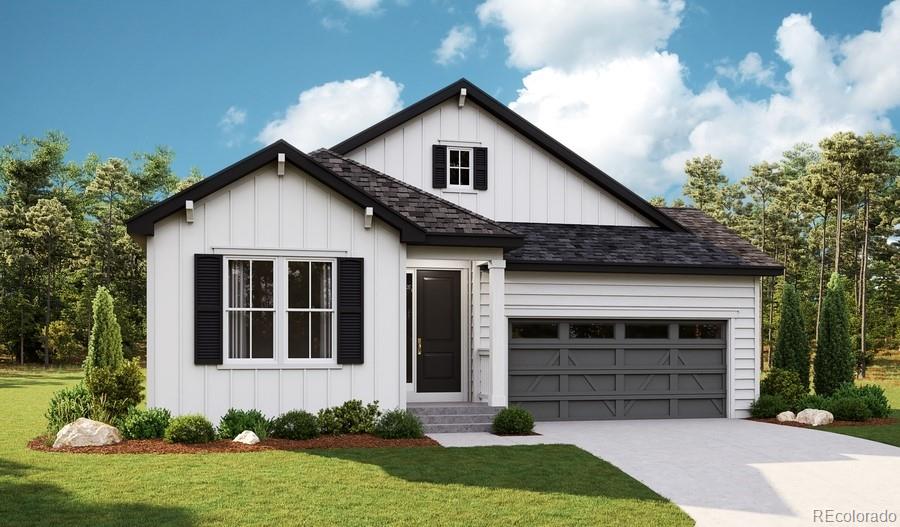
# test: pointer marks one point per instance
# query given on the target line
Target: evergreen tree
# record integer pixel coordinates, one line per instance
(792, 347)
(834, 363)
(105, 347)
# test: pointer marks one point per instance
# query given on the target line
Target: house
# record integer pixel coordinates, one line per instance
(451, 253)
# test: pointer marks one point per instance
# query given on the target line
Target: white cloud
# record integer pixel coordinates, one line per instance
(328, 113)
(232, 118)
(360, 6)
(564, 33)
(750, 69)
(626, 107)
(335, 24)
(455, 45)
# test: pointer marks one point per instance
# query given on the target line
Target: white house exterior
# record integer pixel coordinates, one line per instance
(451, 253)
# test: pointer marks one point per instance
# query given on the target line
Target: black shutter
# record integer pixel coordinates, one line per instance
(350, 311)
(208, 309)
(481, 170)
(438, 166)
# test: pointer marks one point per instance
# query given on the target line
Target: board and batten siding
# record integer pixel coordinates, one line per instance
(637, 296)
(525, 183)
(264, 214)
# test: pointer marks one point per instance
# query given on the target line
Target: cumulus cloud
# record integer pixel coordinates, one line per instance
(623, 102)
(566, 33)
(750, 69)
(328, 113)
(334, 24)
(360, 6)
(455, 45)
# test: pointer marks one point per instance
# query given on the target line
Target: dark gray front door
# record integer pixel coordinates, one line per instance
(438, 331)
(601, 369)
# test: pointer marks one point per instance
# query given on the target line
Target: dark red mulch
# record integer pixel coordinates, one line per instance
(869, 422)
(158, 446)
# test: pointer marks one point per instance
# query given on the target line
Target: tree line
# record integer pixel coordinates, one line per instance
(62, 235)
(831, 208)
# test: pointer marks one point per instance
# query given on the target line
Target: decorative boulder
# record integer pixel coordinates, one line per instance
(247, 437)
(86, 432)
(815, 417)
(785, 417)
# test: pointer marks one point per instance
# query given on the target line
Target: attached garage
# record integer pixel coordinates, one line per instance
(585, 369)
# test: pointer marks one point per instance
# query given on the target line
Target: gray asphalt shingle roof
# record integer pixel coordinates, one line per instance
(707, 245)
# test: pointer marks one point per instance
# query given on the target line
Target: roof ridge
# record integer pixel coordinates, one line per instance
(416, 189)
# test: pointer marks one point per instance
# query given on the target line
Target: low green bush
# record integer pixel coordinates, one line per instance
(849, 408)
(811, 401)
(768, 406)
(514, 420)
(116, 390)
(399, 424)
(295, 424)
(146, 424)
(67, 405)
(872, 394)
(236, 421)
(190, 428)
(352, 417)
(783, 383)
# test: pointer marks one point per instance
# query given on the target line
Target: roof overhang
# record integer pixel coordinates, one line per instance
(588, 267)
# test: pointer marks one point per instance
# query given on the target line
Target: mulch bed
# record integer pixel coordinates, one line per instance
(870, 422)
(158, 446)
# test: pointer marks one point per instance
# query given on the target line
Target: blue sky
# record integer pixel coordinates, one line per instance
(120, 77)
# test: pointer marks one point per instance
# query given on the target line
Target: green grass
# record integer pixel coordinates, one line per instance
(523, 485)
(889, 434)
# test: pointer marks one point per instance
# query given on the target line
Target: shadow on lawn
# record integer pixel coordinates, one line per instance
(563, 469)
(38, 503)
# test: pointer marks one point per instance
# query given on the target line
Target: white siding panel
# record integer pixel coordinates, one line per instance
(297, 214)
(525, 183)
(599, 295)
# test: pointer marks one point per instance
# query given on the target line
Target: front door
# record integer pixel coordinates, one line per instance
(438, 332)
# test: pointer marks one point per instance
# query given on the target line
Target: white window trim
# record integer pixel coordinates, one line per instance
(280, 328)
(470, 168)
(333, 309)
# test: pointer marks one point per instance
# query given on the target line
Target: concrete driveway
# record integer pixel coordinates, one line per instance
(732, 471)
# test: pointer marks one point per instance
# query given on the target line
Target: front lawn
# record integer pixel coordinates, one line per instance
(889, 433)
(550, 485)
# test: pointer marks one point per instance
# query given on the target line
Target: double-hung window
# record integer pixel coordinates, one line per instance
(459, 168)
(279, 310)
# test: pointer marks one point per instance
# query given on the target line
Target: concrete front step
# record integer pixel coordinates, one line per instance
(422, 409)
(457, 428)
(440, 419)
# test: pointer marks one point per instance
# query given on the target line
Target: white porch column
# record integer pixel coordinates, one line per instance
(499, 328)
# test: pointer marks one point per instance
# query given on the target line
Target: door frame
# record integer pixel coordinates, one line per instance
(412, 395)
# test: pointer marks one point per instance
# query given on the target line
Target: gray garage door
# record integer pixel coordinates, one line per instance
(600, 369)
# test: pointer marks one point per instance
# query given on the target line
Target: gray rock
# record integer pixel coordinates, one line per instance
(86, 432)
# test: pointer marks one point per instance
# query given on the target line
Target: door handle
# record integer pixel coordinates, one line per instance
(419, 346)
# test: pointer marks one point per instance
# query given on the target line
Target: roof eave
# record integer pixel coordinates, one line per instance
(591, 267)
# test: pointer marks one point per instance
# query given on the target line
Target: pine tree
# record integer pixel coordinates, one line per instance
(792, 347)
(834, 363)
(105, 346)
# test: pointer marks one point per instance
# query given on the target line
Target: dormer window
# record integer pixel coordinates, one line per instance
(459, 168)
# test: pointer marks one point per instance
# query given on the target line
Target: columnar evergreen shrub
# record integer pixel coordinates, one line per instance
(834, 362)
(792, 345)
(105, 345)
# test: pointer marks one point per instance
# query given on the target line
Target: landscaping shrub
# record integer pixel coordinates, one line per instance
(399, 424)
(236, 421)
(116, 390)
(849, 408)
(190, 428)
(105, 344)
(834, 363)
(146, 424)
(352, 417)
(815, 402)
(784, 383)
(295, 424)
(67, 405)
(768, 406)
(513, 420)
(872, 394)
(792, 345)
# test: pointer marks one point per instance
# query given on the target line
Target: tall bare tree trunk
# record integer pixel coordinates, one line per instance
(837, 232)
(821, 272)
(864, 265)
(49, 293)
